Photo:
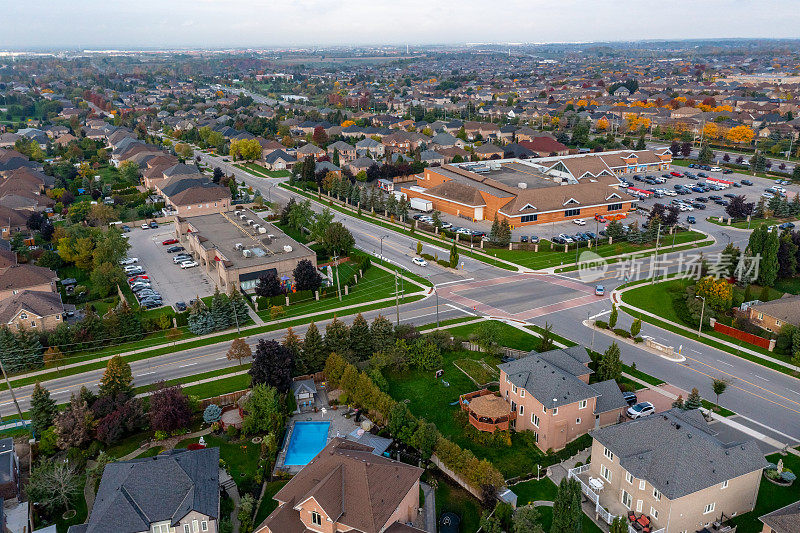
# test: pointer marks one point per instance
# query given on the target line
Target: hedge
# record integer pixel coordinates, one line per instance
(601, 324)
(622, 332)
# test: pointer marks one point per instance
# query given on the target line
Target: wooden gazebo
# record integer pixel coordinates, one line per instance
(487, 411)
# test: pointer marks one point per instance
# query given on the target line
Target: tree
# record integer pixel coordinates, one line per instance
(169, 408)
(567, 511)
(306, 277)
(295, 346)
(272, 365)
(546, 343)
(212, 413)
(43, 409)
(678, 403)
(738, 208)
(246, 510)
(382, 333)
(719, 386)
(636, 327)
(759, 162)
(419, 247)
(454, 255)
(494, 233)
(53, 485)
(424, 439)
(338, 240)
(269, 285)
(74, 424)
(487, 335)
(768, 268)
(264, 412)
(360, 339)
(612, 318)
(239, 350)
(740, 135)
(526, 519)
(619, 525)
(117, 379)
(129, 171)
(693, 401)
(610, 365)
(337, 337)
(787, 256)
(106, 277)
(53, 356)
(313, 352)
(401, 423)
(184, 150)
(706, 155)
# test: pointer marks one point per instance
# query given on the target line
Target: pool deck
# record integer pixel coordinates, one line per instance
(339, 427)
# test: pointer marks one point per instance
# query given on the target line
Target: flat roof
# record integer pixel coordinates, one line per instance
(233, 232)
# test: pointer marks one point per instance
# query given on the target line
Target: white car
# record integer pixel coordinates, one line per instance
(145, 226)
(181, 258)
(579, 222)
(129, 261)
(715, 169)
(768, 196)
(189, 264)
(567, 239)
(131, 268)
(419, 262)
(641, 409)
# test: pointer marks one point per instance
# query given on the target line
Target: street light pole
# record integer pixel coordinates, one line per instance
(381, 238)
(702, 309)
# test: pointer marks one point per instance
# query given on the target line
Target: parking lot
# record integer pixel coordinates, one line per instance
(173, 283)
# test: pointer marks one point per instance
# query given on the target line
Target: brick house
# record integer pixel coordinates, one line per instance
(772, 316)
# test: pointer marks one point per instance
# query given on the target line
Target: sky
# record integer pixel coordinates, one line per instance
(138, 24)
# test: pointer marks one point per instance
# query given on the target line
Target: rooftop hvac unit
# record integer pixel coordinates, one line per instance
(242, 216)
(247, 253)
(271, 236)
(250, 222)
(287, 249)
(238, 246)
(256, 226)
(522, 185)
(262, 230)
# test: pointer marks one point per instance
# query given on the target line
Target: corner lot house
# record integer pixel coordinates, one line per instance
(551, 396)
(175, 492)
(783, 520)
(671, 468)
(347, 488)
(772, 316)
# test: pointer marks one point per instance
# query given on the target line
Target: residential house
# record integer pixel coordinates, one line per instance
(370, 147)
(176, 491)
(32, 309)
(269, 146)
(432, 158)
(305, 392)
(545, 146)
(347, 152)
(347, 488)
(20, 277)
(488, 151)
(309, 150)
(773, 315)
(194, 195)
(672, 467)
(551, 396)
(9, 470)
(279, 160)
(783, 520)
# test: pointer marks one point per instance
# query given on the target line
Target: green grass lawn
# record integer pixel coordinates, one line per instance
(241, 457)
(480, 371)
(791, 286)
(81, 513)
(428, 398)
(452, 498)
(510, 336)
(447, 323)
(546, 520)
(127, 445)
(150, 452)
(770, 497)
(268, 504)
(532, 491)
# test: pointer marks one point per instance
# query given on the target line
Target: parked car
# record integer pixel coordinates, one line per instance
(675, 174)
(715, 169)
(523, 238)
(599, 290)
(579, 222)
(746, 182)
(534, 239)
(698, 205)
(125, 228)
(189, 264)
(173, 249)
(727, 171)
(131, 269)
(154, 224)
(169, 241)
(787, 225)
(767, 195)
(691, 220)
(180, 306)
(419, 262)
(181, 258)
(566, 238)
(641, 410)
(129, 261)
(702, 175)
(145, 226)
(630, 398)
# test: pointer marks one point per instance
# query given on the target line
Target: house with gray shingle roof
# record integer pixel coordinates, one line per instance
(175, 491)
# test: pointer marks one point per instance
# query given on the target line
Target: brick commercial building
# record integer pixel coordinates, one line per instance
(537, 191)
(237, 247)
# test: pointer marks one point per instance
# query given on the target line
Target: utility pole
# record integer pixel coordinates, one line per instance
(236, 318)
(703, 308)
(655, 255)
(11, 390)
(338, 286)
(437, 305)
(396, 299)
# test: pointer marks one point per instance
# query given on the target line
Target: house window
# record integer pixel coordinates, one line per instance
(507, 380)
(639, 506)
(534, 420)
(572, 212)
(535, 437)
(582, 404)
(614, 207)
(522, 393)
(161, 528)
(642, 484)
(528, 218)
(203, 526)
(33, 323)
(725, 484)
(709, 508)
(555, 411)
(657, 494)
(777, 322)
(629, 477)
(23, 316)
(195, 526)
(606, 473)
(186, 528)
(521, 409)
(627, 500)
(577, 421)
(653, 513)
(761, 316)
(514, 389)
(316, 518)
(608, 454)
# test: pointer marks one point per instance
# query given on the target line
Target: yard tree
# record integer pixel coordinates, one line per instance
(337, 337)
(612, 318)
(101, 214)
(320, 223)
(129, 171)
(314, 352)
(487, 336)
(246, 510)
(169, 408)
(43, 409)
(239, 350)
(264, 412)
(360, 339)
(567, 511)
(184, 150)
(719, 386)
(454, 255)
(787, 256)
(382, 333)
(424, 439)
(619, 525)
(306, 277)
(768, 267)
(490, 523)
(693, 401)
(117, 379)
(272, 365)
(636, 327)
(74, 424)
(212, 413)
(402, 424)
(53, 356)
(494, 233)
(546, 344)
(610, 365)
(614, 230)
(295, 346)
(269, 284)
(54, 485)
(425, 354)
(106, 278)
(678, 403)
(338, 240)
(526, 519)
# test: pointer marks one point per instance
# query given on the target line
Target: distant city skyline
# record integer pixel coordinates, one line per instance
(104, 24)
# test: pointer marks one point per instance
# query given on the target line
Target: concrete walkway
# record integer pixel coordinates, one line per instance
(227, 483)
(429, 511)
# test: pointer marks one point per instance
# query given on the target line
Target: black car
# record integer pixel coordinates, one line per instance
(180, 306)
(173, 249)
(714, 197)
(724, 203)
(524, 238)
(729, 195)
(727, 171)
(666, 176)
(126, 229)
(737, 185)
(692, 177)
(702, 175)
(698, 205)
(630, 398)
(692, 165)
(701, 199)
(746, 182)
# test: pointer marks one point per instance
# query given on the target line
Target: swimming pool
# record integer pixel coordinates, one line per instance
(307, 440)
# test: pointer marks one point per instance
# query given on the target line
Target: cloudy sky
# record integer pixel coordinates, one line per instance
(257, 23)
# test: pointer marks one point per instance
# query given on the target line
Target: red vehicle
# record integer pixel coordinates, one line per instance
(169, 241)
(676, 174)
(137, 278)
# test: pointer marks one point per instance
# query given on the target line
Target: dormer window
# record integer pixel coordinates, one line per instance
(23, 316)
(527, 206)
(571, 201)
(316, 518)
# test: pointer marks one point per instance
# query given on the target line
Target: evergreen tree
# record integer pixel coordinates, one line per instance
(295, 346)
(360, 339)
(117, 379)
(454, 255)
(43, 409)
(200, 321)
(610, 365)
(612, 318)
(787, 256)
(239, 307)
(314, 353)
(494, 233)
(221, 311)
(505, 233)
(694, 401)
(337, 337)
(768, 268)
(382, 333)
(567, 511)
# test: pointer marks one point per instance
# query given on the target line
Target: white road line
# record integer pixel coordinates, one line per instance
(723, 362)
(221, 358)
(145, 374)
(189, 364)
(460, 309)
(59, 392)
(759, 377)
(600, 314)
(454, 281)
(695, 351)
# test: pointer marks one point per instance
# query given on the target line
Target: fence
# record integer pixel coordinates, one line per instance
(224, 400)
(455, 477)
(504, 350)
(738, 334)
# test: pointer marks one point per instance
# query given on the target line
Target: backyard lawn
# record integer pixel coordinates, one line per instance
(770, 496)
(268, 504)
(532, 491)
(452, 498)
(546, 520)
(479, 370)
(509, 336)
(430, 398)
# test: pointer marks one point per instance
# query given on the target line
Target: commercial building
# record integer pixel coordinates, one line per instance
(536, 191)
(236, 247)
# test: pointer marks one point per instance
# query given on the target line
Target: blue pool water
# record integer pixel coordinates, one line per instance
(308, 439)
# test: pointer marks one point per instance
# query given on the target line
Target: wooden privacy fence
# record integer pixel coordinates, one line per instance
(504, 350)
(223, 400)
(738, 334)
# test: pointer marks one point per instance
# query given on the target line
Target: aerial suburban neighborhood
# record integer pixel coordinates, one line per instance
(289, 268)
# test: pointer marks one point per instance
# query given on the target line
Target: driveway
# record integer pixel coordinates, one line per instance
(174, 284)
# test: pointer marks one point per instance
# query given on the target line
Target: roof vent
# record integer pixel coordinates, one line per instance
(522, 185)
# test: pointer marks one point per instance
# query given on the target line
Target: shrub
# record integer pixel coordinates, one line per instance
(622, 332)
(161, 435)
(638, 339)
(602, 324)
(232, 432)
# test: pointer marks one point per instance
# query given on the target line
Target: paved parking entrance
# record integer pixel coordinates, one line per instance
(174, 284)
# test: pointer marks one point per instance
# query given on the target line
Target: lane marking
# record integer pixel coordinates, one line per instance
(600, 314)
(454, 281)
(189, 364)
(759, 377)
(724, 363)
(145, 374)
